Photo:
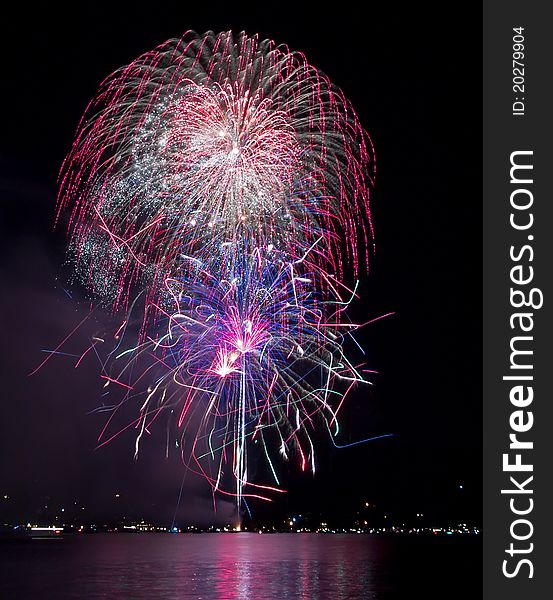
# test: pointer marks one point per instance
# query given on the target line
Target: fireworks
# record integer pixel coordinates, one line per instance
(222, 185)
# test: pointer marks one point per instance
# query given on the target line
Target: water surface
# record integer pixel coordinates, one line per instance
(241, 566)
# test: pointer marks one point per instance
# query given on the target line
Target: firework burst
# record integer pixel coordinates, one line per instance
(244, 341)
(225, 182)
(206, 139)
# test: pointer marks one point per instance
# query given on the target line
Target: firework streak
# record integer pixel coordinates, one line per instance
(219, 187)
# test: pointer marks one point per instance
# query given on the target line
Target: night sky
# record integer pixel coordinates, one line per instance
(408, 76)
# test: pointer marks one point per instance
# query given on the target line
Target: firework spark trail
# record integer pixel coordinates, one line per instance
(224, 182)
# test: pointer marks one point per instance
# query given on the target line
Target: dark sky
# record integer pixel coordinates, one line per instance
(413, 77)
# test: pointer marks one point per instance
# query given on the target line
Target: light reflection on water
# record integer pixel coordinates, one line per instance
(239, 566)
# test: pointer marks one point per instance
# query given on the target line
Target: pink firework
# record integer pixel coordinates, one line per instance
(206, 139)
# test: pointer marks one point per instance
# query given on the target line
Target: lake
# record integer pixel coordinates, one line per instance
(249, 566)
